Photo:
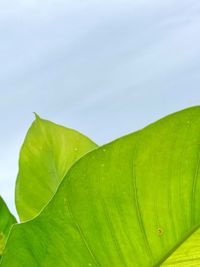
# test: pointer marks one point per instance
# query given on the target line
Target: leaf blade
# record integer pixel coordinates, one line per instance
(187, 253)
(6, 222)
(120, 205)
(47, 153)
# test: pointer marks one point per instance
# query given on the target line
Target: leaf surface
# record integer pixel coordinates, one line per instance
(6, 222)
(187, 254)
(129, 203)
(47, 153)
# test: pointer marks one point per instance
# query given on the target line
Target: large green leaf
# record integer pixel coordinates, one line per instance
(48, 152)
(6, 221)
(129, 203)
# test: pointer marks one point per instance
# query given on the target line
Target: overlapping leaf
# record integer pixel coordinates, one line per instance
(48, 152)
(187, 254)
(6, 222)
(129, 203)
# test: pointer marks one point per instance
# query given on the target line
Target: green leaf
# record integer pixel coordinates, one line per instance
(188, 254)
(129, 203)
(48, 152)
(6, 221)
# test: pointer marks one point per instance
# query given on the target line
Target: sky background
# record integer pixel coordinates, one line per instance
(105, 68)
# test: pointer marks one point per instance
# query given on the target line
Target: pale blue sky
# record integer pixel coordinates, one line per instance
(105, 68)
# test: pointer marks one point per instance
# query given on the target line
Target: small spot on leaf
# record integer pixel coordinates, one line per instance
(160, 231)
(1, 236)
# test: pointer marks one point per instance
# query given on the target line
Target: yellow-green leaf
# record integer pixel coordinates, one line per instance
(187, 253)
(6, 222)
(130, 203)
(47, 153)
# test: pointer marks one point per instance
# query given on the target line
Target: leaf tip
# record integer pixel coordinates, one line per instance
(37, 117)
